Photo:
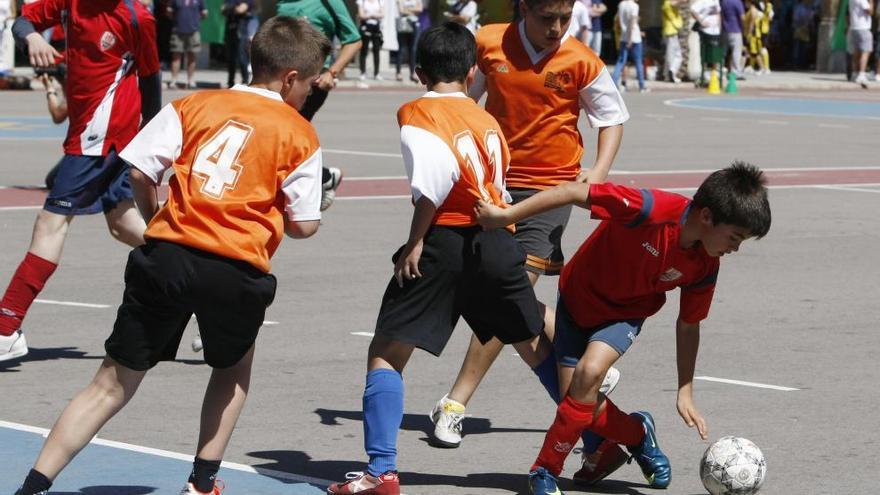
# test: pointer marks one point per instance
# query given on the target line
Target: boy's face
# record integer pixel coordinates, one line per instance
(295, 90)
(547, 22)
(720, 239)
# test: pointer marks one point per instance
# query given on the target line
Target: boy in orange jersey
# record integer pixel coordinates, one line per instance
(649, 242)
(247, 168)
(455, 155)
(538, 79)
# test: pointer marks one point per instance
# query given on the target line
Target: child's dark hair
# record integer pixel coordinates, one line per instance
(287, 43)
(446, 53)
(737, 195)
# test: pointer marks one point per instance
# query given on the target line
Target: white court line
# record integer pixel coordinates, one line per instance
(834, 126)
(71, 303)
(745, 384)
(659, 116)
(16, 208)
(850, 188)
(709, 171)
(773, 122)
(362, 334)
(715, 119)
(175, 455)
(377, 177)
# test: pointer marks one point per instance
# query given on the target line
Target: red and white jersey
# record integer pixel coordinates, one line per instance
(626, 266)
(109, 44)
(243, 159)
(537, 98)
(454, 153)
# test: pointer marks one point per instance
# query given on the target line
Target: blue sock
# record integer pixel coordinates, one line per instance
(383, 413)
(548, 375)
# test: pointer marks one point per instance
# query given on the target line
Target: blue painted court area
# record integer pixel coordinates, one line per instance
(108, 470)
(31, 128)
(784, 106)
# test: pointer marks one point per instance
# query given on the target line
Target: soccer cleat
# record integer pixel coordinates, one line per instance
(447, 416)
(612, 376)
(654, 463)
(13, 346)
(366, 484)
(328, 188)
(541, 482)
(601, 463)
(190, 489)
(197, 344)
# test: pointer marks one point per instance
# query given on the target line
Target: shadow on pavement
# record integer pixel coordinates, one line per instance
(110, 490)
(421, 422)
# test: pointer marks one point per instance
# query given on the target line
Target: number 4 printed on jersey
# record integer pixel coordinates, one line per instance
(467, 147)
(217, 160)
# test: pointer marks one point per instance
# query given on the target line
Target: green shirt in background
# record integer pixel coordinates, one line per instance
(323, 20)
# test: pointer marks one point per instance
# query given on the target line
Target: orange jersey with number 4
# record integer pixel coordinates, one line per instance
(455, 154)
(242, 158)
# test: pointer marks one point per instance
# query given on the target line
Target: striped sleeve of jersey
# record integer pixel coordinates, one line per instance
(431, 165)
(155, 148)
(635, 207)
(44, 13)
(696, 298)
(302, 190)
(602, 102)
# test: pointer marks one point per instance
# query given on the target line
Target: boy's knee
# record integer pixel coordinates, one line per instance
(590, 374)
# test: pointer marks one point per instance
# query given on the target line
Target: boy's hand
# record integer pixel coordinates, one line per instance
(325, 81)
(691, 416)
(490, 216)
(407, 266)
(40, 52)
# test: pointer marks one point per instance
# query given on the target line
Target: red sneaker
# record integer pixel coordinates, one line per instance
(598, 465)
(366, 484)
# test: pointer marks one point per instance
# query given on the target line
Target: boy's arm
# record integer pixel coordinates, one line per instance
(407, 265)
(605, 109)
(302, 192)
(493, 217)
(36, 17)
(607, 144)
(146, 197)
(687, 342)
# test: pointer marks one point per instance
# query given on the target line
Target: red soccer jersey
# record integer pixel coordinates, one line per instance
(109, 44)
(624, 269)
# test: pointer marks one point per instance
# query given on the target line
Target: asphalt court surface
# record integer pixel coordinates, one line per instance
(786, 355)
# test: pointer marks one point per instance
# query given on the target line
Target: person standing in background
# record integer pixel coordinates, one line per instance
(185, 39)
(241, 25)
(463, 12)
(597, 10)
(407, 29)
(370, 14)
(707, 13)
(630, 42)
(580, 22)
(672, 24)
(732, 13)
(859, 39)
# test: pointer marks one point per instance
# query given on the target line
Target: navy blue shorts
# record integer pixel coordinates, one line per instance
(570, 341)
(85, 185)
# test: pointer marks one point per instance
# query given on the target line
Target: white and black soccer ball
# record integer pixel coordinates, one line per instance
(733, 466)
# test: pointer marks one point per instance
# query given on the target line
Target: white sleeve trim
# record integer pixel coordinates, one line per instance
(155, 148)
(602, 102)
(302, 188)
(431, 165)
(478, 88)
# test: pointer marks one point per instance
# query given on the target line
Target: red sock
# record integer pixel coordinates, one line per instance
(28, 281)
(571, 419)
(615, 425)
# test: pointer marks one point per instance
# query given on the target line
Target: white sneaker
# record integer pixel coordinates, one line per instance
(447, 416)
(363, 77)
(328, 189)
(190, 489)
(862, 80)
(379, 77)
(610, 381)
(13, 346)
(877, 77)
(197, 344)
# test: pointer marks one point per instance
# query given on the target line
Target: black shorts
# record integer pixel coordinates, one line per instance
(165, 284)
(465, 272)
(541, 236)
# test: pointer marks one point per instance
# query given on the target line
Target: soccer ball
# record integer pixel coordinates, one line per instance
(733, 466)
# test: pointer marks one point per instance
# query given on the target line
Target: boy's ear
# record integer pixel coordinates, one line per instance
(706, 217)
(470, 76)
(290, 77)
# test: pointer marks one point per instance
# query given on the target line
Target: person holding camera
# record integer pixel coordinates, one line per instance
(407, 26)
(113, 84)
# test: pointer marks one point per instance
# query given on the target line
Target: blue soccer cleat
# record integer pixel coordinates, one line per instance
(541, 482)
(654, 463)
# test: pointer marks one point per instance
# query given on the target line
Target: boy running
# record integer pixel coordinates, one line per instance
(455, 155)
(537, 79)
(247, 168)
(649, 243)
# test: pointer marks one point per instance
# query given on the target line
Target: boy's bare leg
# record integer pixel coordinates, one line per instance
(50, 231)
(126, 224)
(112, 388)
(222, 405)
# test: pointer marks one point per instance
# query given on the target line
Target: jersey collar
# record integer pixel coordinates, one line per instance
(434, 94)
(259, 91)
(535, 56)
